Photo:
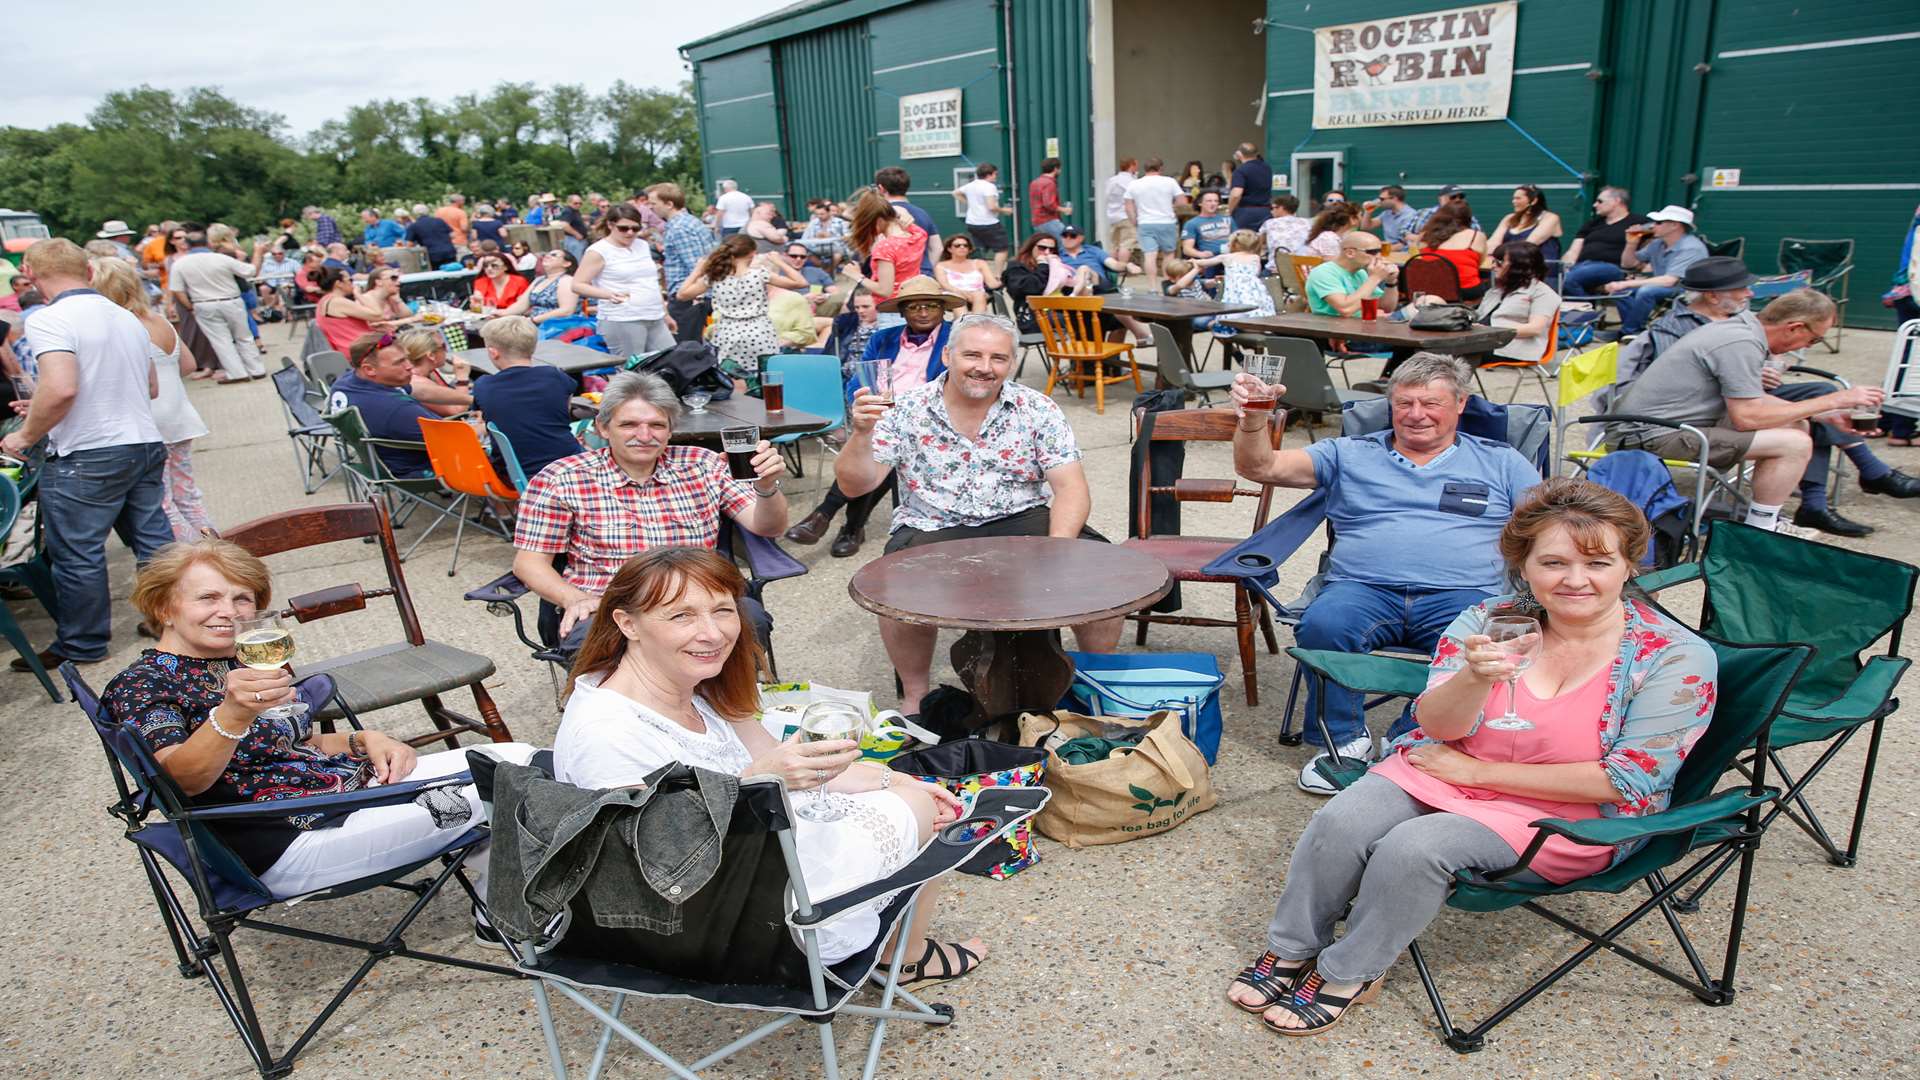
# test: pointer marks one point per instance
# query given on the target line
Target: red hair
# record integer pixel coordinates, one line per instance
(654, 579)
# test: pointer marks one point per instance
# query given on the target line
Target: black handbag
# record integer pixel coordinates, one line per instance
(1442, 317)
(687, 367)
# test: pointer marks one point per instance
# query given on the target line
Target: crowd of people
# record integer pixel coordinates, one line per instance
(615, 528)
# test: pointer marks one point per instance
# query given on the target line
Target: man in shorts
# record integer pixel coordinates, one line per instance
(1150, 203)
(1711, 380)
(979, 199)
(976, 454)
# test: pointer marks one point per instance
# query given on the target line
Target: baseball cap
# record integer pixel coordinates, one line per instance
(1452, 189)
(1071, 230)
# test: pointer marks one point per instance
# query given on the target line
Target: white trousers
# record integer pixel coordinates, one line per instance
(225, 324)
(382, 837)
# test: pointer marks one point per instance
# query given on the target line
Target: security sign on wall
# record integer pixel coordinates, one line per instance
(930, 124)
(1441, 67)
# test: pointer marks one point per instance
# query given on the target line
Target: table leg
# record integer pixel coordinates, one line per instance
(1012, 671)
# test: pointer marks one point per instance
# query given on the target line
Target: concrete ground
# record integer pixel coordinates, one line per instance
(1107, 961)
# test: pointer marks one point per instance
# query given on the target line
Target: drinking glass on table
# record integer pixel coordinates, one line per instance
(1519, 637)
(773, 390)
(1266, 369)
(264, 644)
(876, 378)
(740, 443)
(824, 721)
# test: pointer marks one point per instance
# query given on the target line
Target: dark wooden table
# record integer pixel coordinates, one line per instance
(1472, 345)
(1176, 313)
(1011, 594)
(572, 359)
(703, 428)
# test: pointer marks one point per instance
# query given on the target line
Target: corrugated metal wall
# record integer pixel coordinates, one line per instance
(740, 124)
(825, 103)
(1053, 98)
(1556, 42)
(940, 45)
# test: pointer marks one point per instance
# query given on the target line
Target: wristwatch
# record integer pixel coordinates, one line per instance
(766, 494)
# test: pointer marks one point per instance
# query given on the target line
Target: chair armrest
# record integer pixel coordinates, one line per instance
(1655, 580)
(1364, 673)
(1803, 369)
(331, 806)
(394, 444)
(505, 589)
(1869, 693)
(1255, 561)
(995, 812)
(1629, 418)
(766, 559)
(1609, 832)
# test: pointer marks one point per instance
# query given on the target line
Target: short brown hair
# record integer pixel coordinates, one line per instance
(1586, 510)
(659, 577)
(153, 588)
(670, 194)
(365, 347)
(57, 256)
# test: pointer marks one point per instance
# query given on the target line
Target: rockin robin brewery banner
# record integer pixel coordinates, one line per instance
(1441, 67)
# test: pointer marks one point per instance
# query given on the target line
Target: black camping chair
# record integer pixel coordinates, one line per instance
(742, 946)
(169, 830)
(313, 437)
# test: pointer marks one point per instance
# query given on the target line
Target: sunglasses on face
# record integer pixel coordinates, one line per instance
(1045, 247)
(626, 228)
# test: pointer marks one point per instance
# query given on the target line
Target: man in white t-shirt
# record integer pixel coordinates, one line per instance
(735, 208)
(93, 406)
(1122, 237)
(980, 198)
(1150, 203)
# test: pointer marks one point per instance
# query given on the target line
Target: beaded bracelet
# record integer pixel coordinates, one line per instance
(224, 733)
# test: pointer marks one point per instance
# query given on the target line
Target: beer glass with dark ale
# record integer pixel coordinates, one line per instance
(773, 390)
(740, 443)
(1266, 369)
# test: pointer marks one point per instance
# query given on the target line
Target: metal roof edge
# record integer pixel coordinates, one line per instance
(787, 22)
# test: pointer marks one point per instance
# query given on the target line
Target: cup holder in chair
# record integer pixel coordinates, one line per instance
(1253, 560)
(971, 831)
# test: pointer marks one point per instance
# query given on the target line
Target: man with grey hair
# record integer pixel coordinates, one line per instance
(976, 455)
(603, 507)
(1422, 478)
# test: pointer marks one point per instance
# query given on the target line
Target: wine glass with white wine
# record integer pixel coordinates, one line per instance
(1519, 637)
(264, 644)
(823, 721)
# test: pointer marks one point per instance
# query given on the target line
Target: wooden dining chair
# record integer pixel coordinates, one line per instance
(1431, 274)
(1077, 352)
(1185, 556)
(1537, 365)
(1302, 266)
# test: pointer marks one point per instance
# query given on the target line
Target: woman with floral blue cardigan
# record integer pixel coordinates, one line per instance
(1617, 696)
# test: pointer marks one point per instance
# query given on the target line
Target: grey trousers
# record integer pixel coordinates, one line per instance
(634, 337)
(1393, 858)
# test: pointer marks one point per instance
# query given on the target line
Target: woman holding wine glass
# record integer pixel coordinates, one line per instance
(665, 676)
(1593, 722)
(224, 733)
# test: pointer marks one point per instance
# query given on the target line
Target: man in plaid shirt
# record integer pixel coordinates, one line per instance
(605, 506)
(683, 243)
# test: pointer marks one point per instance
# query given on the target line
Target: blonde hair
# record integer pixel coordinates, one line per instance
(1244, 240)
(154, 587)
(218, 234)
(1177, 268)
(514, 336)
(419, 342)
(116, 279)
(57, 256)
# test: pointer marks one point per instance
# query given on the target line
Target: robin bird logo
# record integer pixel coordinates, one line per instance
(1376, 66)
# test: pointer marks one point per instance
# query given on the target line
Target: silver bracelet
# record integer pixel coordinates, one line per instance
(766, 494)
(223, 732)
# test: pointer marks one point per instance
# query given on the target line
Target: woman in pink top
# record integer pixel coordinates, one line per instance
(885, 235)
(1618, 695)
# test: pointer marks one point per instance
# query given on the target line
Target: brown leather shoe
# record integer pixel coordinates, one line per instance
(48, 659)
(847, 544)
(810, 529)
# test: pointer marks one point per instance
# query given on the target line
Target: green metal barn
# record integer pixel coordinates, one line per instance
(1771, 118)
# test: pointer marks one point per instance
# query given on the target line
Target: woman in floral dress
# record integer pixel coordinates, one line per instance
(738, 280)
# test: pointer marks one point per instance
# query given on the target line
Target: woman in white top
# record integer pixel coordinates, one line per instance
(173, 414)
(618, 270)
(665, 675)
(1519, 297)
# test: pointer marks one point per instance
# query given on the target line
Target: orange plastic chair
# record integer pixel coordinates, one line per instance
(1071, 327)
(1546, 357)
(461, 465)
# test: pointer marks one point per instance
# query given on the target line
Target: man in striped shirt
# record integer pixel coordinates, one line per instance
(683, 243)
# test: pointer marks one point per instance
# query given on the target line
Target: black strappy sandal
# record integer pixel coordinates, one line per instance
(1310, 1005)
(1266, 978)
(916, 974)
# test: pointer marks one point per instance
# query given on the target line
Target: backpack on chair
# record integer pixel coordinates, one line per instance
(1643, 480)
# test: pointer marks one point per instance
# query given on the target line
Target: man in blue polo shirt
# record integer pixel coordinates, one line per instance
(379, 232)
(528, 402)
(377, 387)
(1417, 512)
(1206, 233)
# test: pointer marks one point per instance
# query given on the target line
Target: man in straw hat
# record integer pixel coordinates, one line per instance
(117, 233)
(915, 355)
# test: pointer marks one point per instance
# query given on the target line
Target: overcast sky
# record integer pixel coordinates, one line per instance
(310, 62)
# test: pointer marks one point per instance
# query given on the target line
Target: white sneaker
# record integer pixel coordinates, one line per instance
(1798, 532)
(1311, 782)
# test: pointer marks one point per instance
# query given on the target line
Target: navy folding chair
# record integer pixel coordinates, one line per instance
(170, 830)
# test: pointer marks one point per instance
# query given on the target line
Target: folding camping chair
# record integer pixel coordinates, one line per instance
(743, 945)
(311, 435)
(1538, 366)
(34, 572)
(1831, 262)
(1902, 379)
(369, 478)
(462, 467)
(1762, 586)
(167, 827)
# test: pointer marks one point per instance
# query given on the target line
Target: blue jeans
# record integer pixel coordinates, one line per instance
(574, 247)
(1637, 304)
(1586, 278)
(1353, 617)
(83, 497)
(1052, 228)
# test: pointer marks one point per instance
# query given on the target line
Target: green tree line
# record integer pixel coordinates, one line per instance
(145, 155)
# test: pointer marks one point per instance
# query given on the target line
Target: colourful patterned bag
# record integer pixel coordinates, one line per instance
(965, 766)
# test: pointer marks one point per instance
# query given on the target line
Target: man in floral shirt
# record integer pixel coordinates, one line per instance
(976, 455)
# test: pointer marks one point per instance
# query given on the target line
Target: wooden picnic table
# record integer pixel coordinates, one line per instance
(1011, 594)
(1402, 340)
(1176, 313)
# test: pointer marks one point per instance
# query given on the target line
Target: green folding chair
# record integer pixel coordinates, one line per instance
(1762, 586)
(369, 478)
(1831, 262)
